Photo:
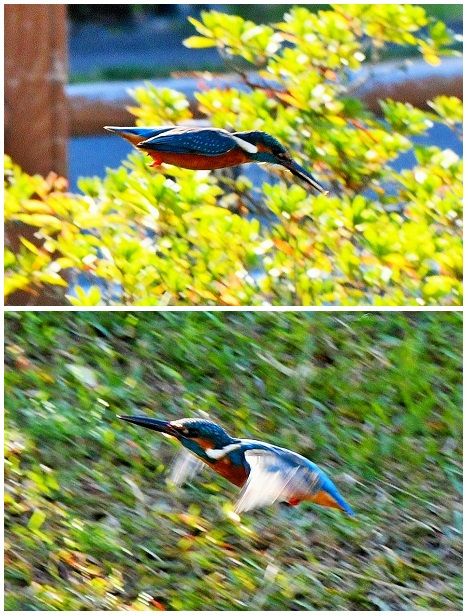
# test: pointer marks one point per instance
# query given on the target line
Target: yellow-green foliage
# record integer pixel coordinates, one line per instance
(141, 236)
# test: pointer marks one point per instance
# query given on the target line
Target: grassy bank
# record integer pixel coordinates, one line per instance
(374, 399)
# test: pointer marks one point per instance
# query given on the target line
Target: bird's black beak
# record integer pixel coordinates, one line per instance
(153, 424)
(302, 173)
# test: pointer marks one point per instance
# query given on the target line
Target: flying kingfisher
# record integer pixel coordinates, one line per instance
(266, 473)
(211, 148)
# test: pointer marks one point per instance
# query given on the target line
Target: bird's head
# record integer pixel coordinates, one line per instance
(198, 435)
(264, 147)
(270, 150)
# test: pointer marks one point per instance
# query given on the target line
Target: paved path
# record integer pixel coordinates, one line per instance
(155, 44)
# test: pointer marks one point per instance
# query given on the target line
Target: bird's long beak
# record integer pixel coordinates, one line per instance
(153, 424)
(302, 173)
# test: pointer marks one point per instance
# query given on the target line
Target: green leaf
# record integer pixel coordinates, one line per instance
(199, 27)
(30, 246)
(40, 220)
(199, 42)
(449, 108)
(51, 278)
(36, 520)
(85, 375)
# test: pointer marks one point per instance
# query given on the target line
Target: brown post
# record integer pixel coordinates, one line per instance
(36, 114)
(36, 125)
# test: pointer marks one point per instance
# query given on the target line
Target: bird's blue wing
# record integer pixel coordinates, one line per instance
(185, 467)
(273, 479)
(209, 142)
(278, 475)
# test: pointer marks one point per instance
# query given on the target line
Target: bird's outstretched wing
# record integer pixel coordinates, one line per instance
(184, 468)
(208, 141)
(273, 479)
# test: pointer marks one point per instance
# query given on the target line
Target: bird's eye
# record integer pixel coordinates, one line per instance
(181, 429)
(187, 431)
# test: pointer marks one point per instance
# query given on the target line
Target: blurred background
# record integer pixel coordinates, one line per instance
(375, 399)
(71, 66)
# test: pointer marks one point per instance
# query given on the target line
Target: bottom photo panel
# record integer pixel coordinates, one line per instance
(233, 461)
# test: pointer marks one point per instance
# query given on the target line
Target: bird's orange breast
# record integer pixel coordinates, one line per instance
(200, 161)
(224, 467)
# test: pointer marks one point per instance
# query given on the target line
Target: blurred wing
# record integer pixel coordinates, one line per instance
(184, 468)
(208, 142)
(272, 479)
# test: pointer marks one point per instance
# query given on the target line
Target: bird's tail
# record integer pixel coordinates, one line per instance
(137, 134)
(329, 496)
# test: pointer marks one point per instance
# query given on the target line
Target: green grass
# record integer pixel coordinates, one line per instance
(374, 399)
(127, 73)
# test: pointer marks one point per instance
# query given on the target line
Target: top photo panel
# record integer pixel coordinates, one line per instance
(233, 155)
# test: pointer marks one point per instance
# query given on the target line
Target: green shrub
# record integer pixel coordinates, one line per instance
(141, 236)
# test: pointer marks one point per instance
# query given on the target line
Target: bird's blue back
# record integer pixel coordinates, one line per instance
(208, 142)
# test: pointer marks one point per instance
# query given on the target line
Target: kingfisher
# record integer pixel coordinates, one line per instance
(211, 148)
(265, 473)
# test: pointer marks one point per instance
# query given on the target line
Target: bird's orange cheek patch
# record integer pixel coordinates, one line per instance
(204, 443)
(324, 499)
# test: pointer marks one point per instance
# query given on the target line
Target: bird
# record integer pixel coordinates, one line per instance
(211, 148)
(265, 473)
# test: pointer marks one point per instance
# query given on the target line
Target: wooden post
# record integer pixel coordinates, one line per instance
(36, 125)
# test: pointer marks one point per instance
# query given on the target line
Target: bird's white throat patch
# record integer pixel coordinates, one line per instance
(245, 145)
(217, 454)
